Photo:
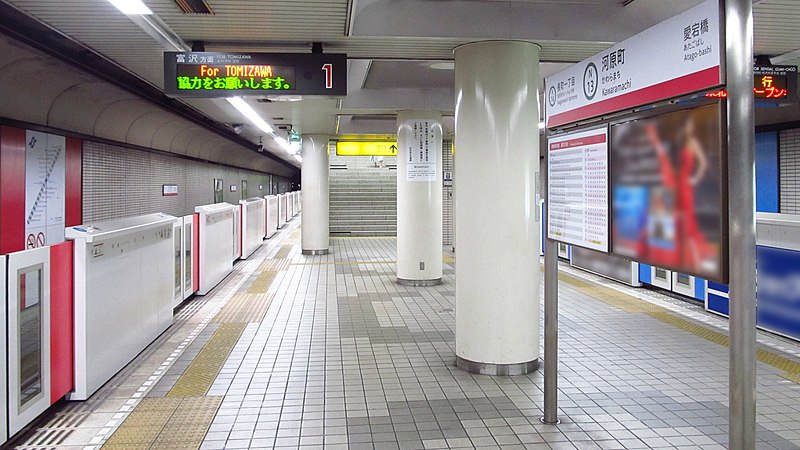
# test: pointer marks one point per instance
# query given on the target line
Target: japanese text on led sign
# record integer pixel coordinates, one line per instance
(227, 74)
(233, 77)
(770, 86)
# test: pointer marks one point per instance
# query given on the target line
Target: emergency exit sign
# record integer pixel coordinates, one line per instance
(230, 74)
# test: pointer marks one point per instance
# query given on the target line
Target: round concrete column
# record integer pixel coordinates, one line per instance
(314, 178)
(497, 234)
(419, 198)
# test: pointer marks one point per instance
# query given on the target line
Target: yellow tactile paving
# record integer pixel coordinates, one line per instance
(245, 308)
(341, 263)
(262, 282)
(205, 367)
(632, 304)
(283, 253)
(165, 423)
(273, 265)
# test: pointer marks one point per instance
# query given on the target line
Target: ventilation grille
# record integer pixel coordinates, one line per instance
(194, 6)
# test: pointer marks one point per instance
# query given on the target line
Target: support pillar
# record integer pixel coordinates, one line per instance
(314, 195)
(497, 234)
(419, 198)
(741, 223)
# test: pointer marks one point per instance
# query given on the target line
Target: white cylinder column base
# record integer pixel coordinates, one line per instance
(497, 369)
(314, 227)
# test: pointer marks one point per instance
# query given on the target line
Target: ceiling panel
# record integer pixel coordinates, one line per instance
(257, 19)
(776, 25)
(432, 48)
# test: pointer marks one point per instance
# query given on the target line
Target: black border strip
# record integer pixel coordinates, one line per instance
(24, 28)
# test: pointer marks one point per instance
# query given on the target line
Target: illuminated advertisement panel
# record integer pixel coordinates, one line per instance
(668, 192)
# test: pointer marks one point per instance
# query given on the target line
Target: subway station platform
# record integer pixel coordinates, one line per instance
(295, 351)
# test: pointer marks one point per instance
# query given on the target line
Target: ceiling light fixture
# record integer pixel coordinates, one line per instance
(131, 7)
(284, 144)
(250, 113)
(298, 158)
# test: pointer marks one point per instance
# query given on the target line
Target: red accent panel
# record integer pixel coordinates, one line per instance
(195, 252)
(672, 88)
(12, 190)
(579, 142)
(74, 183)
(61, 321)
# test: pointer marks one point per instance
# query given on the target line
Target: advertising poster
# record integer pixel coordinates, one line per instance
(45, 186)
(421, 162)
(578, 189)
(667, 191)
(779, 290)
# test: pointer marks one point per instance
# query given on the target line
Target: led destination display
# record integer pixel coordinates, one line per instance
(228, 74)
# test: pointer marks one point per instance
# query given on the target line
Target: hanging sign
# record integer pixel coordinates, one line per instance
(230, 74)
(421, 153)
(676, 57)
(366, 148)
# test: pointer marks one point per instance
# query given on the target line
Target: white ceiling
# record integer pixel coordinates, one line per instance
(392, 44)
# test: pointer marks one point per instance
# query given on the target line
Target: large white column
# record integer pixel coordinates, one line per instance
(497, 234)
(419, 198)
(314, 179)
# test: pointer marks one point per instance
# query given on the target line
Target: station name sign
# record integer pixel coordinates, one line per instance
(675, 57)
(230, 74)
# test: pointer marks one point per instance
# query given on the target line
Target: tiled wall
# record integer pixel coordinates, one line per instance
(353, 162)
(447, 195)
(120, 182)
(789, 149)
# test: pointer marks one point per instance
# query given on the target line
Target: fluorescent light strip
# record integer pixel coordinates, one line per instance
(250, 114)
(284, 144)
(131, 7)
(298, 158)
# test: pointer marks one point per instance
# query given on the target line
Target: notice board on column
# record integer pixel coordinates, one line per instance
(577, 187)
(421, 162)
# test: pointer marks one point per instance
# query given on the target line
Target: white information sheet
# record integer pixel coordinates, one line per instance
(45, 186)
(578, 188)
(421, 162)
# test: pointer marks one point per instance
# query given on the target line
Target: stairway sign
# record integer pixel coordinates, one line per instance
(45, 185)
(421, 155)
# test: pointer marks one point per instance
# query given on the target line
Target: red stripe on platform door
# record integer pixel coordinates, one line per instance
(195, 252)
(61, 321)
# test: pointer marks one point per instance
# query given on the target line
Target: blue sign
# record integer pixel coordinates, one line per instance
(779, 290)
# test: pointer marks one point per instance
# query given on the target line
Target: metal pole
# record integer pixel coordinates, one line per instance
(742, 232)
(550, 316)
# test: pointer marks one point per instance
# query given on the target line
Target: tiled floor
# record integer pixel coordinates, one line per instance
(346, 358)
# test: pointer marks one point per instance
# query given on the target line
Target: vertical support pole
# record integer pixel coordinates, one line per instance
(742, 232)
(550, 311)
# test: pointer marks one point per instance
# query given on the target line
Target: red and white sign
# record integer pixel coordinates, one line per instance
(577, 185)
(676, 57)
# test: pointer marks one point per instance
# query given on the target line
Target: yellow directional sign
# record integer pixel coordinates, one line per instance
(366, 148)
